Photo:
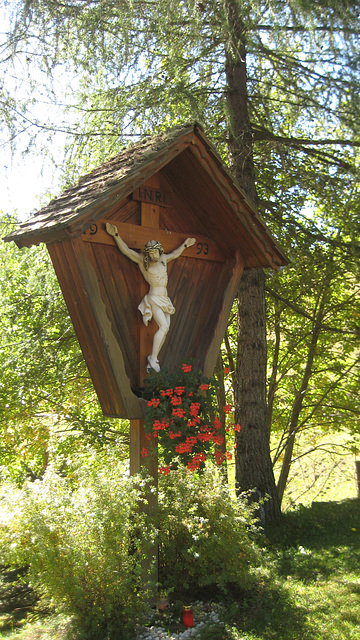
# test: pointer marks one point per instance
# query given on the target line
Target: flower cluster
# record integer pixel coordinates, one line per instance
(182, 414)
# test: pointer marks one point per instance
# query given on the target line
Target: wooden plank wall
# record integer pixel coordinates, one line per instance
(97, 332)
(103, 288)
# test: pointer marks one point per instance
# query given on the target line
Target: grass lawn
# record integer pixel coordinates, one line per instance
(313, 586)
(308, 586)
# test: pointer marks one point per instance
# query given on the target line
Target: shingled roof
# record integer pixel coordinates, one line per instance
(116, 178)
(83, 204)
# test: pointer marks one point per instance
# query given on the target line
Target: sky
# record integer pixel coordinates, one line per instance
(25, 183)
(28, 178)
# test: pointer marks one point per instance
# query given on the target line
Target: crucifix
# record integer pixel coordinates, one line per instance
(156, 303)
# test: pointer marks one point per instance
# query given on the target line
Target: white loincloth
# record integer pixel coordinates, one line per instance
(163, 302)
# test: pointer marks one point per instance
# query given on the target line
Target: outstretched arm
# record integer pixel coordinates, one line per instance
(177, 252)
(129, 253)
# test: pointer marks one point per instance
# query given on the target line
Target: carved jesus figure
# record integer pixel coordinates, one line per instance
(156, 304)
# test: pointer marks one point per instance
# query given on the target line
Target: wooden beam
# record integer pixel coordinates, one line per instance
(150, 218)
(137, 236)
(143, 452)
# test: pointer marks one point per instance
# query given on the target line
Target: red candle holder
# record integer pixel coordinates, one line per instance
(188, 617)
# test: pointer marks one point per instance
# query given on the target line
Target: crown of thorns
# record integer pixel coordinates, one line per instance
(152, 245)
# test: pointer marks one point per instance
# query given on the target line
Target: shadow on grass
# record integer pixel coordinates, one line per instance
(16, 598)
(314, 586)
(269, 612)
(18, 601)
(318, 541)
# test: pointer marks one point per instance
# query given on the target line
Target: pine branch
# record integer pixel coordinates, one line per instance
(260, 133)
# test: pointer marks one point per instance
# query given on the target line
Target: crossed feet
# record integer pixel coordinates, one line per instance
(153, 363)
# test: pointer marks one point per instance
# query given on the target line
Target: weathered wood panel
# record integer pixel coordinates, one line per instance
(101, 310)
(78, 278)
(231, 286)
(182, 216)
(80, 311)
(197, 291)
(120, 286)
(128, 211)
(212, 211)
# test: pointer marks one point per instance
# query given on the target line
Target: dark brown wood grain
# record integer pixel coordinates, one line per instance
(97, 332)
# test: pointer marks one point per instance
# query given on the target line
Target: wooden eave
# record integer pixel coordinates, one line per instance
(108, 185)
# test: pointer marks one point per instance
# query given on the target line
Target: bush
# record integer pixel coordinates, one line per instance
(206, 536)
(84, 540)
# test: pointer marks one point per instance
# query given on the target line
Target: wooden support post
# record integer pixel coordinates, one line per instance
(149, 218)
(138, 442)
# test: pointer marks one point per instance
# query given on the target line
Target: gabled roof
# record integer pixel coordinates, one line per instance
(85, 202)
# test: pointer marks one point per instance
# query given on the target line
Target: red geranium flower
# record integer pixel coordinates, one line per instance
(183, 447)
(219, 457)
(165, 470)
(178, 412)
(179, 390)
(186, 368)
(193, 422)
(217, 423)
(204, 387)
(194, 409)
(154, 402)
(144, 452)
(173, 435)
(204, 437)
(157, 425)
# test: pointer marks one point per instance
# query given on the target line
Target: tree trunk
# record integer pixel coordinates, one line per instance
(252, 455)
(240, 142)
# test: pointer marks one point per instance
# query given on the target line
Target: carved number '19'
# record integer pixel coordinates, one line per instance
(202, 247)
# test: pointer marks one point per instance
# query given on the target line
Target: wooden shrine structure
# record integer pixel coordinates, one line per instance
(165, 187)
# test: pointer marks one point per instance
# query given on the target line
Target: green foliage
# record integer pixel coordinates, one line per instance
(307, 586)
(140, 67)
(47, 400)
(183, 415)
(84, 540)
(313, 324)
(206, 536)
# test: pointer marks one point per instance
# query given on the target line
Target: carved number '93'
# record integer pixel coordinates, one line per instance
(202, 247)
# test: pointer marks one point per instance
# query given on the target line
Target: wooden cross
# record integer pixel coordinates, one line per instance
(136, 236)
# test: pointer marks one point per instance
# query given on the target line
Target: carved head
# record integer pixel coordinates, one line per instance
(151, 246)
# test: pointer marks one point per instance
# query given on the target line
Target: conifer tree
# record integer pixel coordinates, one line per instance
(276, 87)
